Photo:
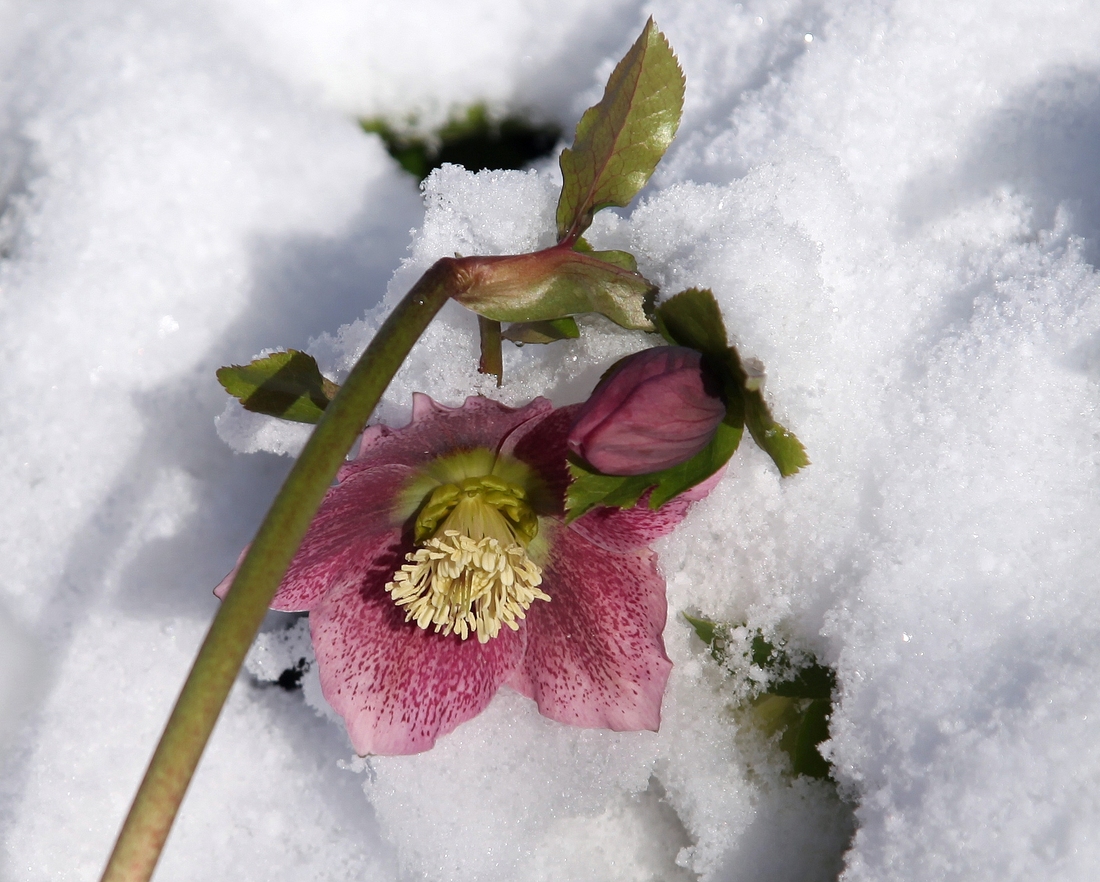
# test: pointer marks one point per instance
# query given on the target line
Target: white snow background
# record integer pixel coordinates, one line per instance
(898, 207)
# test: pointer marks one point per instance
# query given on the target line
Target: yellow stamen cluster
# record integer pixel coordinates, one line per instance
(470, 573)
(465, 586)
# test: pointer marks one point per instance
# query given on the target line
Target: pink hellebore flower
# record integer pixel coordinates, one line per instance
(656, 409)
(440, 567)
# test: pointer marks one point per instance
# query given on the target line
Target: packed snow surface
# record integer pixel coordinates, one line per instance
(897, 205)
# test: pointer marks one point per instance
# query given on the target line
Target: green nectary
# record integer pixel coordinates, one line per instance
(470, 501)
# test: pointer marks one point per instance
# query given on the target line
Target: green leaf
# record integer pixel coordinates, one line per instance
(815, 681)
(590, 488)
(705, 629)
(285, 384)
(621, 139)
(782, 446)
(811, 681)
(794, 709)
(692, 318)
(542, 332)
(811, 730)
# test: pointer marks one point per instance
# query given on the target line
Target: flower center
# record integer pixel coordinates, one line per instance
(470, 572)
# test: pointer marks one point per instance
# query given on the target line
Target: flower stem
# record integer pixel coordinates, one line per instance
(238, 619)
(492, 360)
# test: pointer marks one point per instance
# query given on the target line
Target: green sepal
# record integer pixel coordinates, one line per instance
(542, 332)
(620, 140)
(692, 318)
(288, 385)
(590, 488)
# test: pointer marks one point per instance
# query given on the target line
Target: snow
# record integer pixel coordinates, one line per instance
(899, 218)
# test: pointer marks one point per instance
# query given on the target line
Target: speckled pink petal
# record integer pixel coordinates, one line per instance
(371, 435)
(540, 443)
(437, 430)
(618, 529)
(399, 687)
(351, 527)
(595, 655)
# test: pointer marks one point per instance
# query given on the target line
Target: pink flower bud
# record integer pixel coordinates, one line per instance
(655, 410)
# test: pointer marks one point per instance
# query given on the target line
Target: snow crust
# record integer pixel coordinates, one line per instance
(896, 206)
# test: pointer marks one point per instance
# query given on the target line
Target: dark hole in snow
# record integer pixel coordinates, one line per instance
(291, 678)
(474, 140)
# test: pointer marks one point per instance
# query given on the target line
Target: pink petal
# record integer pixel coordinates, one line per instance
(540, 443)
(225, 584)
(351, 527)
(595, 655)
(618, 529)
(437, 430)
(370, 436)
(399, 687)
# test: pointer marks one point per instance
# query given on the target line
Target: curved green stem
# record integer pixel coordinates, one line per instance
(238, 619)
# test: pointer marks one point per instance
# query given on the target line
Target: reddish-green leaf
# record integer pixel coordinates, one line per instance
(621, 139)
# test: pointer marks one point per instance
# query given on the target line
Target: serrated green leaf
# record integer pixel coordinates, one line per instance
(692, 318)
(782, 446)
(542, 332)
(621, 139)
(590, 488)
(287, 384)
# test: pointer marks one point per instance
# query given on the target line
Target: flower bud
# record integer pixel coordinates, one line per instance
(656, 409)
(550, 284)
